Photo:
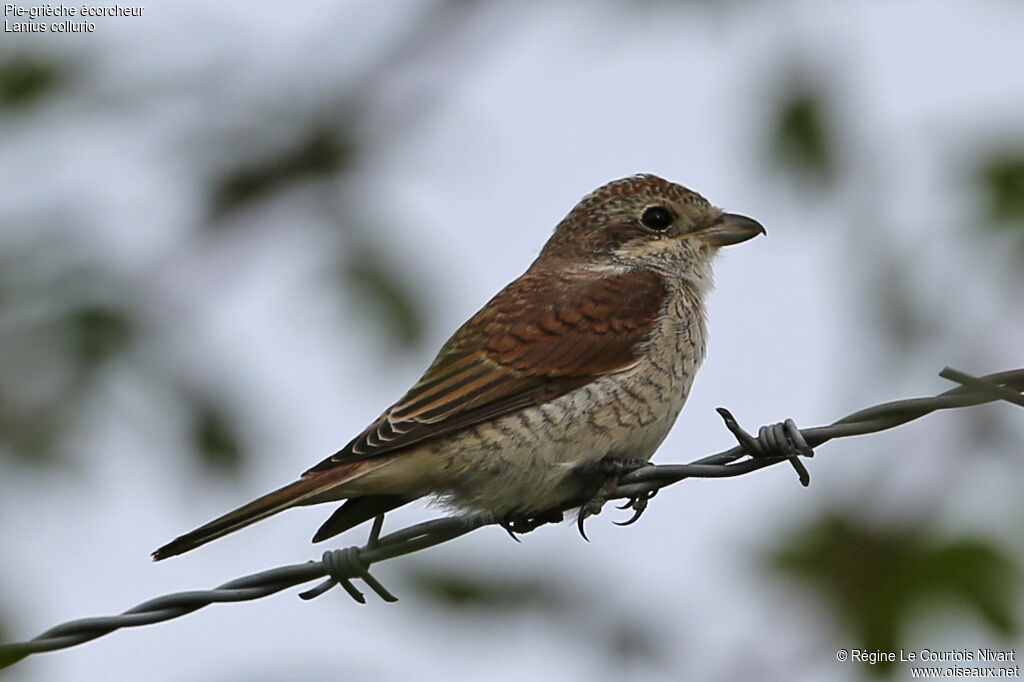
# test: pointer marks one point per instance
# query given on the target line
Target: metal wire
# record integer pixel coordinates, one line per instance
(775, 444)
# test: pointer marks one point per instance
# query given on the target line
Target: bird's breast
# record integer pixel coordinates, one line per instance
(522, 461)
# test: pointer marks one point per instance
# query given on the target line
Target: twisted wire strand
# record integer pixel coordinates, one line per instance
(780, 443)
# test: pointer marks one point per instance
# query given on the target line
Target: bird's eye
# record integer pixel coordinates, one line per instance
(657, 218)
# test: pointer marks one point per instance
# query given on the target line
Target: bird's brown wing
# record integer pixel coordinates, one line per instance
(539, 338)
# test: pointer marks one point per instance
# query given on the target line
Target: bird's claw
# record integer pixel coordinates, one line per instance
(638, 504)
(519, 524)
(510, 530)
(591, 508)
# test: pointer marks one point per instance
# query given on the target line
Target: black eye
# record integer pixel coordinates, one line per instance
(657, 218)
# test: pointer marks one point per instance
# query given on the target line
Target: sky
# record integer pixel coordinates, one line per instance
(473, 152)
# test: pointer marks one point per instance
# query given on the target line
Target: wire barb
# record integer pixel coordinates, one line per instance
(782, 442)
(341, 565)
(997, 391)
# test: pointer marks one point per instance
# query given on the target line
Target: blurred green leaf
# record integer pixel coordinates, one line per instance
(908, 323)
(486, 592)
(215, 438)
(636, 642)
(23, 81)
(1003, 181)
(98, 332)
(321, 153)
(627, 641)
(375, 284)
(58, 331)
(980, 576)
(876, 578)
(30, 438)
(803, 143)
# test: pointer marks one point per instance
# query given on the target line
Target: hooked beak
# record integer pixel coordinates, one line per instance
(729, 228)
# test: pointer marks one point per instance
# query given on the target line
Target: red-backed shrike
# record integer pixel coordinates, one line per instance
(573, 373)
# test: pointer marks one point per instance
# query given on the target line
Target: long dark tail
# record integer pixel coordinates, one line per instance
(277, 501)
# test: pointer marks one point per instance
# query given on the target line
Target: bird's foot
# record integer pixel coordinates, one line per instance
(638, 504)
(521, 523)
(612, 468)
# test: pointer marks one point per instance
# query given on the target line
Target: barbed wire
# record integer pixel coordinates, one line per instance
(774, 444)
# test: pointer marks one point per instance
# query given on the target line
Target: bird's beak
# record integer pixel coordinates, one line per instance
(729, 228)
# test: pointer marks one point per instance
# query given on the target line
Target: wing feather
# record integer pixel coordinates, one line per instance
(539, 338)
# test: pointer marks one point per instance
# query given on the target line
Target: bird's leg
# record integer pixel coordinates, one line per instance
(378, 526)
(611, 469)
(608, 471)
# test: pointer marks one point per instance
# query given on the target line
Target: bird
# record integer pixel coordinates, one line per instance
(570, 376)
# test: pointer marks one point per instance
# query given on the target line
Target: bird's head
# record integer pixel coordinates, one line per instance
(645, 221)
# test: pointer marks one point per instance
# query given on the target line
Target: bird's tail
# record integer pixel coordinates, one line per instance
(291, 495)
